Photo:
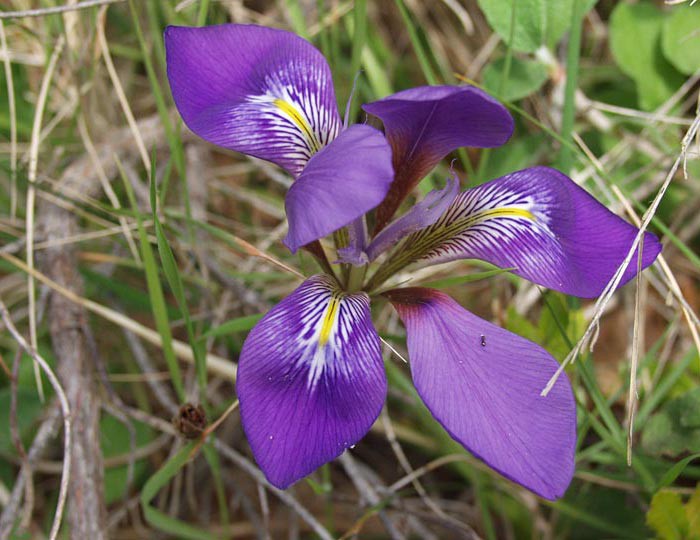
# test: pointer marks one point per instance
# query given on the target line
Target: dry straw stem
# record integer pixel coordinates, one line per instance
(238, 459)
(615, 281)
(44, 436)
(215, 364)
(123, 101)
(41, 12)
(31, 193)
(13, 121)
(65, 410)
(106, 186)
(688, 314)
(368, 493)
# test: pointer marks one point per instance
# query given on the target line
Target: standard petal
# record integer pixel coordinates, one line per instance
(541, 223)
(425, 124)
(310, 381)
(341, 183)
(483, 385)
(264, 92)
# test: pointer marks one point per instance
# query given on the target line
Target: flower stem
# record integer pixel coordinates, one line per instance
(356, 278)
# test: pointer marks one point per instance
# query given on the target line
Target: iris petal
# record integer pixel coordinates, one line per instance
(425, 124)
(260, 91)
(341, 183)
(483, 385)
(539, 221)
(310, 381)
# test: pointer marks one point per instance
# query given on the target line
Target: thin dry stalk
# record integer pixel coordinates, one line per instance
(615, 280)
(13, 122)
(215, 364)
(31, 195)
(65, 410)
(123, 101)
(41, 12)
(44, 435)
(288, 499)
(368, 493)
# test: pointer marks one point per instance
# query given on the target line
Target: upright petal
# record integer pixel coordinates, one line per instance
(341, 183)
(483, 385)
(425, 124)
(264, 92)
(310, 381)
(539, 221)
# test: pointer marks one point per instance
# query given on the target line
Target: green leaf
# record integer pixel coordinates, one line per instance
(692, 512)
(524, 78)
(161, 520)
(680, 39)
(469, 278)
(172, 274)
(537, 22)
(675, 471)
(664, 432)
(635, 41)
(667, 516)
(240, 324)
(155, 292)
(115, 440)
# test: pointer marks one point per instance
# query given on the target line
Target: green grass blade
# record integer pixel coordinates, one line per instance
(240, 324)
(155, 292)
(675, 471)
(421, 53)
(158, 519)
(172, 274)
(469, 278)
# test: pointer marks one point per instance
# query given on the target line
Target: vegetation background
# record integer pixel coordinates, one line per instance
(131, 252)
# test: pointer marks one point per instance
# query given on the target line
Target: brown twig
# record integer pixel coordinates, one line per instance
(65, 409)
(44, 435)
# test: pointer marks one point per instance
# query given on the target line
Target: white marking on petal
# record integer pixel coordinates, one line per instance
(296, 114)
(489, 218)
(328, 317)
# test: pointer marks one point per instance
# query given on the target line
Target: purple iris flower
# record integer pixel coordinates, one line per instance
(311, 379)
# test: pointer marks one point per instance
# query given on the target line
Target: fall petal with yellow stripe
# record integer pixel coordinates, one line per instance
(311, 380)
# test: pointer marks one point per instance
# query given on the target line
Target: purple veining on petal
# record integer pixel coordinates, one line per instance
(340, 184)
(483, 384)
(421, 215)
(260, 91)
(539, 221)
(424, 124)
(310, 380)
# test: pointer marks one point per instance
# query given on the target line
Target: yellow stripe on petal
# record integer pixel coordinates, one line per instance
(329, 320)
(504, 212)
(298, 119)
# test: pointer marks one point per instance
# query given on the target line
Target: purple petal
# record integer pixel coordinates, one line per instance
(483, 385)
(425, 124)
(264, 92)
(355, 252)
(311, 380)
(342, 182)
(424, 213)
(539, 221)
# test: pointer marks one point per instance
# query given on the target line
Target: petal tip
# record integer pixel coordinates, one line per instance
(292, 245)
